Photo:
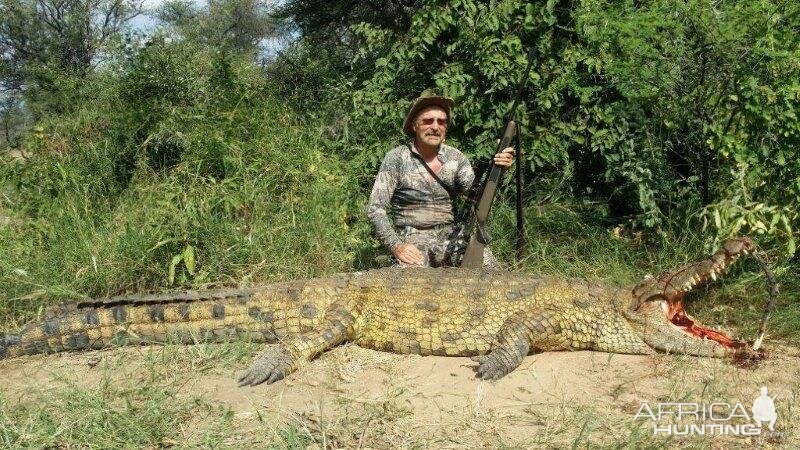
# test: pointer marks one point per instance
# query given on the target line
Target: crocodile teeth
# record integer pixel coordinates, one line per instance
(713, 275)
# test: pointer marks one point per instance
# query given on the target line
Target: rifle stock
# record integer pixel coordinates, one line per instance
(479, 238)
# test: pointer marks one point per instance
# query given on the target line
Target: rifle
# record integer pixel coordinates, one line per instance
(480, 238)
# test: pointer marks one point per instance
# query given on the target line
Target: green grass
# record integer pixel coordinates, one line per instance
(269, 207)
(113, 414)
(135, 400)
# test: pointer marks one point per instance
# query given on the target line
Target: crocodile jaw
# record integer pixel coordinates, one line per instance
(657, 308)
(675, 313)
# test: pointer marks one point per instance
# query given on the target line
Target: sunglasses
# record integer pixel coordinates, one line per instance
(430, 120)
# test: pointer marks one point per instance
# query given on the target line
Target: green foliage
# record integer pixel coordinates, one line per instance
(330, 23)
(187, 165)
(49, 47)
(188, 173)
(227, 25)
(107, 417)
(655, 108)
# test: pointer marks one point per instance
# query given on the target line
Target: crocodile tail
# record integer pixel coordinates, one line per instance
(9, 345)
(208, 317)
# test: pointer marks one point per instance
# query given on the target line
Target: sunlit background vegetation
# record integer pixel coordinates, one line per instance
(235, 141)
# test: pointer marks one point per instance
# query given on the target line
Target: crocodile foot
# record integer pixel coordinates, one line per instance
(270, 367)
(493, 366)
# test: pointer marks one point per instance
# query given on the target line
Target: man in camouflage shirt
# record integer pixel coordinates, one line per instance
(421, 233)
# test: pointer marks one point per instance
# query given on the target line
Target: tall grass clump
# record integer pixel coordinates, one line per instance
(186, 171)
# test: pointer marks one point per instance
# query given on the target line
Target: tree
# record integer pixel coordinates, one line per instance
(11, 117)
(662, 111)
(231, 25)
(324, 19)
(42, 42)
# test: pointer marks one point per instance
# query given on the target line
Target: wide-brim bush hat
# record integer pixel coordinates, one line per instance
(423, 101)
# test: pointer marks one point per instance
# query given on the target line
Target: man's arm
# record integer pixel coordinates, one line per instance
(377, 211)
(379, 201)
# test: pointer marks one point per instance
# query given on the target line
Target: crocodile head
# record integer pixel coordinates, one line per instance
(656, 310)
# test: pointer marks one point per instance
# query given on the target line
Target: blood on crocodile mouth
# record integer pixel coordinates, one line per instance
(676, 315)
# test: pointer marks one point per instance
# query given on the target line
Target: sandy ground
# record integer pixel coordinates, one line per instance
(353, 397)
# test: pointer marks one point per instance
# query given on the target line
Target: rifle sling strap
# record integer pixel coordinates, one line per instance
(483, 235)
(441, 182)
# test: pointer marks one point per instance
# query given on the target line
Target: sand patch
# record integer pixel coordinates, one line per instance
(353, 397)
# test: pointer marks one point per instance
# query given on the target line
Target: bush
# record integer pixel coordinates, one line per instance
(665, 111)
(207, 179)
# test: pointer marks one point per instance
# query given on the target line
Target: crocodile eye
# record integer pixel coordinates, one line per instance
(651, 299)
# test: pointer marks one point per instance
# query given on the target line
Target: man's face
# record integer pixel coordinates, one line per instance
(430, 126)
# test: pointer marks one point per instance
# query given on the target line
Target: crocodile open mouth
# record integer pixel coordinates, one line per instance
(670, 288)
(677, 316)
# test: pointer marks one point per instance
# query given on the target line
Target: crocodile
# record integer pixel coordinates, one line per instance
(495, 317)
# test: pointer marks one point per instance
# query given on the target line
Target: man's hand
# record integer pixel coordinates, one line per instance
(409, 254)
(505, 158)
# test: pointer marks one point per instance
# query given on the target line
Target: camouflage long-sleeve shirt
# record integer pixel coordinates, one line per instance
(415, 199)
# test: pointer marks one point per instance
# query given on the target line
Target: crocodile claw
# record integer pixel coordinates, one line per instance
(268, 368)
(478, 358)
